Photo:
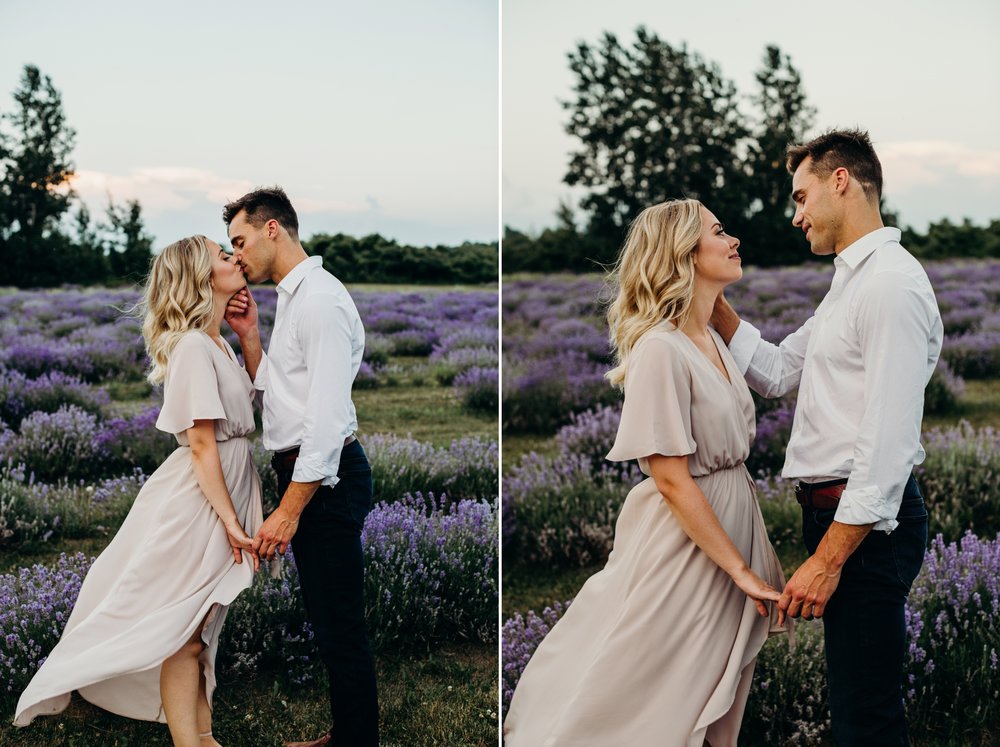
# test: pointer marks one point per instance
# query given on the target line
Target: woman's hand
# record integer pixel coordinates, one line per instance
(241, 313)
(756, 588)
(241, 542)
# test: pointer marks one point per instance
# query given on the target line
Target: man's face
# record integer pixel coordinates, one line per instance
(251, 248)
(815, 208)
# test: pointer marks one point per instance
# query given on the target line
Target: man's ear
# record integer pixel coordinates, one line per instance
(272, 228)
(841, 180)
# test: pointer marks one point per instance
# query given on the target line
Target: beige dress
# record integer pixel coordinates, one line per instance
(659, 647)
(170, 565)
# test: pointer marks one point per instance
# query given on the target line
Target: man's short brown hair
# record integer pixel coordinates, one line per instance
(262, 205)
(850, 149)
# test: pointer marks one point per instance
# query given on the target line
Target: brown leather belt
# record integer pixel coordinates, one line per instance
(285, 460)
(822, 495)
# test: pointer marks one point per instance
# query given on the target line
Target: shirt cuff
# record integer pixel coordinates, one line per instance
(859, 506)
(744, 345)
(311, 469)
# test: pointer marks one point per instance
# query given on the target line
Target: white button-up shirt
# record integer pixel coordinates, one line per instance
(306, 375)
(861, 363)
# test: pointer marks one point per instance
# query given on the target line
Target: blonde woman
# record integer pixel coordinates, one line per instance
(659, 647)
(142, 638)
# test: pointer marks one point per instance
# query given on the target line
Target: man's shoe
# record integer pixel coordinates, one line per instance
(323, 741)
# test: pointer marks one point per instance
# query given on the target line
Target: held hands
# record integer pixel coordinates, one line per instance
(809, 590)
(756, 588)
(241, 542)
(275, 534)
(241, 313)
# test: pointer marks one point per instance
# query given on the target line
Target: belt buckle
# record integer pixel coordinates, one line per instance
(803, 496)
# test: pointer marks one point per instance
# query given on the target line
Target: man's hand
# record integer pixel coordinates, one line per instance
(275, 533)
(724, 319)
(809, 590)
(241, 313)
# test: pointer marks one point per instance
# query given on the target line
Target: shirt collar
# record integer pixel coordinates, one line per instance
(857, 252)
(297, 275)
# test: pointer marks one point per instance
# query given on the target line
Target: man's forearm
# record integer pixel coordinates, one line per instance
(724, 319)
(298, 495)
(840, 542)
(252, 352)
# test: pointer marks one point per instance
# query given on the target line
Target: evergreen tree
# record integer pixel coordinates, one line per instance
(35, 168)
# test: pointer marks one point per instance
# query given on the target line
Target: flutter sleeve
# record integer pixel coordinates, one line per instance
(656, 416)
(191, 389)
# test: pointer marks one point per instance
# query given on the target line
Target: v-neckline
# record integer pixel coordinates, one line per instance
(223, 348)
(727, 376)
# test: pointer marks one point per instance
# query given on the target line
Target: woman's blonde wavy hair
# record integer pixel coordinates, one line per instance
(178, 298)
(653, 280)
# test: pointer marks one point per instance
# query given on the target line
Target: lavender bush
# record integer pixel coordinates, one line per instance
(57, 445)
(431, 576)
(788, 700)
(953, 623)
(34, 606)
(944, 390)
(74, 444)
(479, 389)
(20, 395)
(401, 465)
(561, 510)
(519, 638)
(959, 480)
(35, 512)
(266, 629)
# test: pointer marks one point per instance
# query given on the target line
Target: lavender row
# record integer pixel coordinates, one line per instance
(88, 334)
(556, 344)
(77, 463)
(953, 629)
(562, 509)
(429, 578)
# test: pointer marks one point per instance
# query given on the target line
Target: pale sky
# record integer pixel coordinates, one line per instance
(923, 76)
(375, 117)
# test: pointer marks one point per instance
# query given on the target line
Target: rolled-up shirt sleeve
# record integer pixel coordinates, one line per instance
(325, 334)
(770, 370)
(894, 326)
(260, 380)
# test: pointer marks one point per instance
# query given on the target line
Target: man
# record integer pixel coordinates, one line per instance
(861, 364)
(309, 422)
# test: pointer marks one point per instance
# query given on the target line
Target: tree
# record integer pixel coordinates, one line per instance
(784, 118)
(35, 169)
(129, 246)
(654, 123)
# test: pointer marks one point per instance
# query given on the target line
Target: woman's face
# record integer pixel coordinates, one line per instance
(227, 276)
(716, 259)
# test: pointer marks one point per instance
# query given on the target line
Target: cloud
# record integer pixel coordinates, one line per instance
(922, 163)
(167, 189)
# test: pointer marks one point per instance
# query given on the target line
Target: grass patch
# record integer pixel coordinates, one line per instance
(537, 587)
(446, 697)
(516, 446)
(980, 405)
(429, 413)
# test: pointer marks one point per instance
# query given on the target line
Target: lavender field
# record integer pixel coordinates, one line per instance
(561, 498)
(77, 441)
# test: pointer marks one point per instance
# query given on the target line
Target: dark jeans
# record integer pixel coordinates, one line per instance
(865, 626)
(328, 555)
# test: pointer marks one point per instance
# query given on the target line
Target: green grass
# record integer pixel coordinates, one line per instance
(428, 413)
(980, 405)
(444, 698)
